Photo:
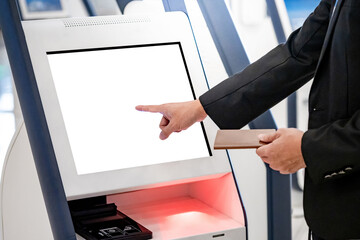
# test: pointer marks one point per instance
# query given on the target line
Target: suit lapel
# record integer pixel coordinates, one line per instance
(332, 23)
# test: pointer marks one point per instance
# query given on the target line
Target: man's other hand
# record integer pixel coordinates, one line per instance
(283, 151)
(176, 116)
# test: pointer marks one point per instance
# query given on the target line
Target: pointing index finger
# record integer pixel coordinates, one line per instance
(149, 108)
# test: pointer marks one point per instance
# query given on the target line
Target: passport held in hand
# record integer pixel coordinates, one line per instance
(240, 139)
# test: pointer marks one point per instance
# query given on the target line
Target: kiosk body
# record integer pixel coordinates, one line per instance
(194, 197)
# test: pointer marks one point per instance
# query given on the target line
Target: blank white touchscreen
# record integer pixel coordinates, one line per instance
(98, 90)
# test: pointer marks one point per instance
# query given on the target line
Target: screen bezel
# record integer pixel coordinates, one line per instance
(178, 44)
(73, 34)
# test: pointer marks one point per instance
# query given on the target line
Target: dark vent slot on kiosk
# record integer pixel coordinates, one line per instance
(105, 222)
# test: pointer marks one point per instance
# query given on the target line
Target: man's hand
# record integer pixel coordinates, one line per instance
(176, 116)
(283, 153)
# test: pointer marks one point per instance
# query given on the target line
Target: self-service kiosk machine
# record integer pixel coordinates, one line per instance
(119, 180)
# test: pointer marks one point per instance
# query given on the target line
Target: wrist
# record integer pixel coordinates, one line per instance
(300, 150)
(201, 114)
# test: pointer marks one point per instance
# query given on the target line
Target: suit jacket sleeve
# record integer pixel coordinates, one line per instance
(241, 98)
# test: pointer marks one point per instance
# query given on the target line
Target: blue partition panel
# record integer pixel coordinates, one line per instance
(89, 7)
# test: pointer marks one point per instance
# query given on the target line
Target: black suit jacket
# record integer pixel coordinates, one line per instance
(327, 48)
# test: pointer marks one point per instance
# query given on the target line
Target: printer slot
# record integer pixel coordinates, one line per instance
(105, 222)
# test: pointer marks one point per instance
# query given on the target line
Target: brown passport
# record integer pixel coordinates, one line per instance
(239, 139)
